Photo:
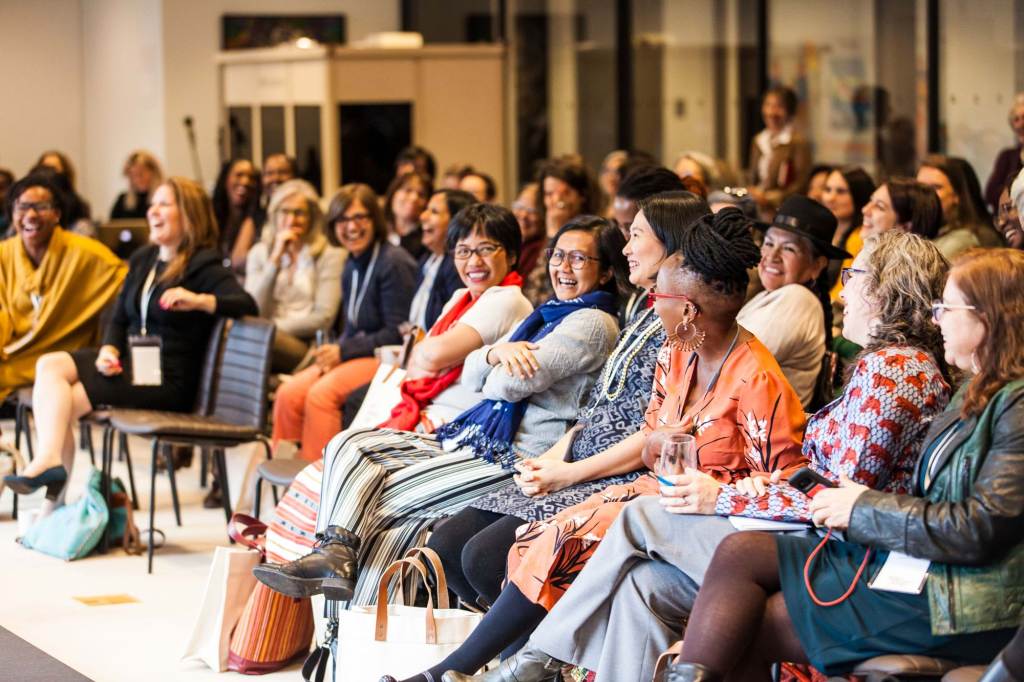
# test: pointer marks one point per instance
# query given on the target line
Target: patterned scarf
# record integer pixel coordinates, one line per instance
(418, 393)
(489, 428)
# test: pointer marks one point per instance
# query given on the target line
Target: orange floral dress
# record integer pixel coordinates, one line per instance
(749, 420)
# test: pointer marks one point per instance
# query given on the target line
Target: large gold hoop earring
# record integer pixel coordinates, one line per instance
(687, 337)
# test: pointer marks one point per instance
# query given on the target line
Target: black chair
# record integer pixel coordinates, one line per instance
(278, 473)
(236, 415)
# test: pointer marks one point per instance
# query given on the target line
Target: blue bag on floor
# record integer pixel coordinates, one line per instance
(74, 530)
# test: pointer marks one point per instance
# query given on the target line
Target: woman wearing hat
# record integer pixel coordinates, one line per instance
(796, 250)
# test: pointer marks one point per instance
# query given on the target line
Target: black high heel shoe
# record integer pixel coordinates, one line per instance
(53, 478)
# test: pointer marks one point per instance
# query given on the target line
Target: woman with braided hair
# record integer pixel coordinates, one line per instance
(713, 380)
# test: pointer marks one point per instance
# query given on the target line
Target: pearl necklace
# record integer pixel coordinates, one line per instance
(623, 355)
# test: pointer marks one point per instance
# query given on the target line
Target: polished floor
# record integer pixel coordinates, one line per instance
(127, 641)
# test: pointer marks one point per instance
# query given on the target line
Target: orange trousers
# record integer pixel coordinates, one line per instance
(308, 407)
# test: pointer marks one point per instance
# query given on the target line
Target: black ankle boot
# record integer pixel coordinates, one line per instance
(528, 665)
(688, 672)
(330, 569)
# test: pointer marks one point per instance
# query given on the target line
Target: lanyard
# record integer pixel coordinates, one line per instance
(355, 303)
(718, 372)
(147, 294)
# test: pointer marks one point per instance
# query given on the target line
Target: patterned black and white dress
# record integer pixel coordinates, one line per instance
(615, 411)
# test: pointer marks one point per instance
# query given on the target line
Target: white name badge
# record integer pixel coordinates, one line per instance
(146, 370)
(901, 573)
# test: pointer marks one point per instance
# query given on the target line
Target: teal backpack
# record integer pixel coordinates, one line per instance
(74, 530)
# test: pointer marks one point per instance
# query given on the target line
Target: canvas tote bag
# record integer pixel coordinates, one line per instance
(397, 639)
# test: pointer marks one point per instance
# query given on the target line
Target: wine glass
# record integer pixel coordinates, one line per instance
(678, 451)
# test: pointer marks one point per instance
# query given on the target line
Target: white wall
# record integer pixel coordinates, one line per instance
(977, 78)
(123, 92)
(41, 72)
(191, 40)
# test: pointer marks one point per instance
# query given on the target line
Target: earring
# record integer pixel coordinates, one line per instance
(975, 367)
(687, 337)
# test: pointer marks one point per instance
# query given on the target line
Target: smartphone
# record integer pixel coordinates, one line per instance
(809, 482)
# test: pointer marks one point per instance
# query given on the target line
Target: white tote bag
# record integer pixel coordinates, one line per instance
(384, 393)
(227, 590)
(396, 639)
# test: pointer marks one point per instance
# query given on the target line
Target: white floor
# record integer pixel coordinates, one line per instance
(135, 641)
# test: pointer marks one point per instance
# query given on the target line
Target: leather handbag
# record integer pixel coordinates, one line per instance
(273, 629)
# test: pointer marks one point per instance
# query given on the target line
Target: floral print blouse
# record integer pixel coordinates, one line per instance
(872, 433)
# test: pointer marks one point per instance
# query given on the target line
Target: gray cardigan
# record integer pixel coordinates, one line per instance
(570, 358)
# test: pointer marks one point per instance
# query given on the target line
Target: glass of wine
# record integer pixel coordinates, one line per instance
(678, 451)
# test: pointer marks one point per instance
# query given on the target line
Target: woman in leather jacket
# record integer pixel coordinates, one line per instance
(964, 516)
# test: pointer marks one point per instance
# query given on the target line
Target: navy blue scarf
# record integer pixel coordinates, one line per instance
(489, 428)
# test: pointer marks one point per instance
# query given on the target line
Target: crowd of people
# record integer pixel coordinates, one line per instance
(842, 355)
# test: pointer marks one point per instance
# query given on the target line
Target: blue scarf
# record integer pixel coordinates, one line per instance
(489, 428)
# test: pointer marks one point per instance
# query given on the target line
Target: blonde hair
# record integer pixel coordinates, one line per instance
(197, 222)
(314, 236)
(141, 156)
(905, 274)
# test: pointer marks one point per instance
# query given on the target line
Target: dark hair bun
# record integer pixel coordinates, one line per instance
(720, 249)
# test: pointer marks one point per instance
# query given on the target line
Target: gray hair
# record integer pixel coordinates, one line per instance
(314, 236)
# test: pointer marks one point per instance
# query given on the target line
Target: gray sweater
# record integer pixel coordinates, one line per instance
(570, 359)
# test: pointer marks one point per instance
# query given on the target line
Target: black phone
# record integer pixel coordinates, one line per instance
(809, 482)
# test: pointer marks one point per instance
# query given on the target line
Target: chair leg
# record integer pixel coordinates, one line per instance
(257, 496)
(204, 465)
(106, 474)
(123, 453)
(169, 459)
(221, 470)
(22, 426)
(152, 502)
(273, 492)
(85, 436)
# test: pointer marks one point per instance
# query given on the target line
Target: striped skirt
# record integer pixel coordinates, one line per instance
(389, 487)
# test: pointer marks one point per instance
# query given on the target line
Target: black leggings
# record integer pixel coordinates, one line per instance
(473, 546)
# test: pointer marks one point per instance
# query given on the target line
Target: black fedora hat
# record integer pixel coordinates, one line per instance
(806, 217)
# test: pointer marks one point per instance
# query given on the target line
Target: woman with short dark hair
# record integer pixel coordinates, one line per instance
(780, 156)
(384, 488)
(902, 204)
(377, 286)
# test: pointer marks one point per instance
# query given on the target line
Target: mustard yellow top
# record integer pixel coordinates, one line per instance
(854, 243)
(55, 306)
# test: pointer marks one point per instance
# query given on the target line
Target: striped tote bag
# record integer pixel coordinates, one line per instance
(274, 629)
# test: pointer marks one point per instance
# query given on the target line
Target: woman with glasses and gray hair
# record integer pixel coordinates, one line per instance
(294, 274)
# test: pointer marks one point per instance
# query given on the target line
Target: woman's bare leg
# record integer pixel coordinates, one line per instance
(58, 402)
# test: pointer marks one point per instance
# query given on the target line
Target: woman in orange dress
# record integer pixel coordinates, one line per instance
(713, 380)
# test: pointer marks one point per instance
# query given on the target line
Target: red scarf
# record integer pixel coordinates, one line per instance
(418, 393)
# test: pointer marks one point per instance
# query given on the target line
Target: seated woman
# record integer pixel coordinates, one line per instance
(294, 273)
(53, 284)
(236, 197)
(490, 303)
(963, 514)
(404, 202)
(792, 316)
(175, 290)
(438, 276)
(385, 488)
(966, 222)
(377, 285)
(847, 192)
(713, 380)
(143, 173)
(473, 543)
(902, 204)
(627, 605)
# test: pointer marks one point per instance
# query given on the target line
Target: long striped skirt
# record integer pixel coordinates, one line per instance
(389, 487)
